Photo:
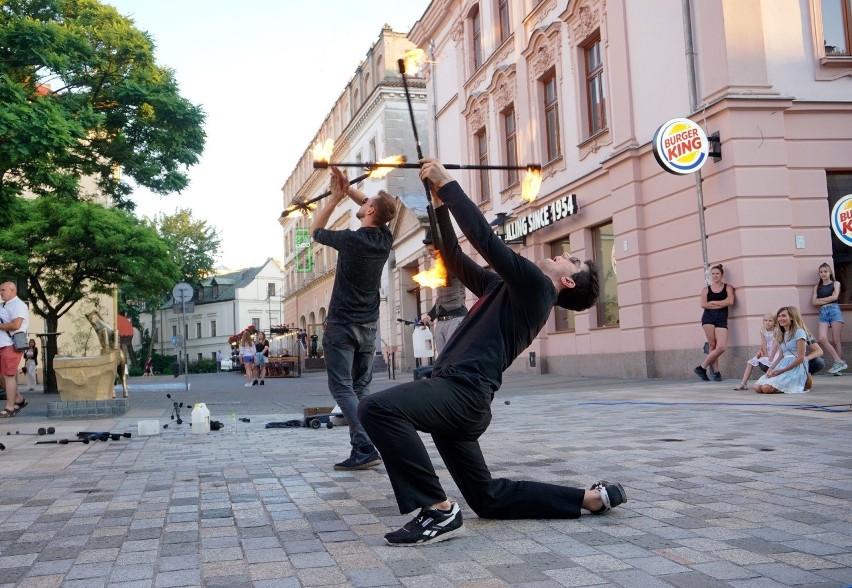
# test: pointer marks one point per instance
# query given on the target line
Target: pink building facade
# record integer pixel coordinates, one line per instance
(581, 87)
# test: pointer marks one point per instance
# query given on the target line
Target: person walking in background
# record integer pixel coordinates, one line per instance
(31, 364)
(767, 350)
(149, 368)
(302, 336)
(516, 298)
(449, 309)
(349, 337)
(788, 372)
(825, 296)
(261, 357)
(14, 318)
(314, 342)
(247, 352)
(716, 297)
(219, 361)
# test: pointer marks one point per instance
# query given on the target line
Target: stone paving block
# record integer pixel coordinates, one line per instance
(131, 573)
(576, 576)
(785, 574)
(177, 578)
(134, 584)
(54, 581)
(92, 570)
(321, 576)
(290, 582)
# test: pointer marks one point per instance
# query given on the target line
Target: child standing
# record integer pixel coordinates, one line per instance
(767, 350)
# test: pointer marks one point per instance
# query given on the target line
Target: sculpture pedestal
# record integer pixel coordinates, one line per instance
(86, 378)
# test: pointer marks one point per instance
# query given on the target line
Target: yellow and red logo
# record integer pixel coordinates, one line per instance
(681, 146)
(841, 219)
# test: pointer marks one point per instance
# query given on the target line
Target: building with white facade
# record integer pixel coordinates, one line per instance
(581, 86)
(222, 305)
(369, 121)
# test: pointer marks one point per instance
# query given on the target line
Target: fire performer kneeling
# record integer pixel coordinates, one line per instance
(349, 339)
(454, 406)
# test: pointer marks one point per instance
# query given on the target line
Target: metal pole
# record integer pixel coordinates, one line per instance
(183, 324)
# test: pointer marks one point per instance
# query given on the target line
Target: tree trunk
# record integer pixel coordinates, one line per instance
(52, 321)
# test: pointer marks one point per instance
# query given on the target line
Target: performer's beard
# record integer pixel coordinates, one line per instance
(360, 215)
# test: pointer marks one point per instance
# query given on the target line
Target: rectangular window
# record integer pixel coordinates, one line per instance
(511, 145)
(604, 258)
(503, 15)
(564, 317)
(174, 330)
(551, 116)
(482, 156)
(595, 96)
(476, 41)
(256, 323)
(198, 330)
(201, 356)
(840, 184)
(836, 23)
(270, 289)
(213, 328)
(186, 332)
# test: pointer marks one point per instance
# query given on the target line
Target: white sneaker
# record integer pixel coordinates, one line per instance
(838, 367)
(248, 385)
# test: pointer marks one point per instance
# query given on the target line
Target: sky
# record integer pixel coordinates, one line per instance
(266, 73)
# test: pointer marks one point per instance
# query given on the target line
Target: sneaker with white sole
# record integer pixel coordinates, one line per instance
(838, 367)
(430, 526)
(612, 495)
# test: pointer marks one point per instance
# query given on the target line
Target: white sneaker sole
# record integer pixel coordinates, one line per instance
(442, 537)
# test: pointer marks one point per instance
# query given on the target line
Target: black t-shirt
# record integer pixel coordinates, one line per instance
(515, 299)
(361, 257)
(262, 347)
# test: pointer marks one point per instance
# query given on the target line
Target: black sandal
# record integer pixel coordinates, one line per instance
(7, 414)
(21, 406)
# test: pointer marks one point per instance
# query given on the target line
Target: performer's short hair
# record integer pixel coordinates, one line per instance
(585, 291)
(385, 207)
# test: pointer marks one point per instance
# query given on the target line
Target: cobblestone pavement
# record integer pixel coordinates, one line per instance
(725, 489)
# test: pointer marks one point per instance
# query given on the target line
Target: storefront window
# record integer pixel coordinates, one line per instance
(839, 185)
(564, 318)
(605, 259)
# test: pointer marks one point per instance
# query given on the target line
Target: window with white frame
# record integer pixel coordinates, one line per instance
(503, 19)
(481, 139)
(198, 330)
(256, 323)
(836, 25)
(510, 144)
(551, 116)
(213, 329)
(595, 90)
(476, 37)
(270, 288)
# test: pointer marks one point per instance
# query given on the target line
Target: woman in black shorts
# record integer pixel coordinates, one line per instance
(715, 300)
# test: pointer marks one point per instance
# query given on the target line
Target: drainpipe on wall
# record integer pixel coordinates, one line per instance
(434, 98)
(693, 105)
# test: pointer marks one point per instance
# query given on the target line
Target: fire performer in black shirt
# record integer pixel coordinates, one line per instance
(454, 406)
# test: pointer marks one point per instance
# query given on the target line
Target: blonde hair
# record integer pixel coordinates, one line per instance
(770, 316)
(796, 323)
(246, 338)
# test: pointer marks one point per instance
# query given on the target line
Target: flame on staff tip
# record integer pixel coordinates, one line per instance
(301, 208)
(414, 60)
(380, 172)
(530, 185)
(322, 151)
(435, 277)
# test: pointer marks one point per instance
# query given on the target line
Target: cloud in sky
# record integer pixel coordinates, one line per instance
(266, 73)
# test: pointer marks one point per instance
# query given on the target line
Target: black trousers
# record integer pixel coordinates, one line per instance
(455, 413)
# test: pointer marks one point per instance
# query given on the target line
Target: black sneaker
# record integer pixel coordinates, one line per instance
(359, 461)
(430, 526)
(612, 494)
(262, 383)
(717, 377)
(701, 373)
(254, 383)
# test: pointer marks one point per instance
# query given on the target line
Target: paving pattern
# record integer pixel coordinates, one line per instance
(724, 489)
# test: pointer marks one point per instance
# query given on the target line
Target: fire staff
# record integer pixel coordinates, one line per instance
(454, 406)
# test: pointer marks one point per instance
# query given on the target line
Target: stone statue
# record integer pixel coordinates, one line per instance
(110, 344)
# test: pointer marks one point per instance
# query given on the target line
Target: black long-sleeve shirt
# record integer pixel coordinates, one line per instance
(515, 299)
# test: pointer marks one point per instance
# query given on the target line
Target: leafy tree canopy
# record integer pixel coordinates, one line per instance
(194, 244)
(82, 96)
(66, 249)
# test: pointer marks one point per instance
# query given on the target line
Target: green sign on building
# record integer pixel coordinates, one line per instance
(304, 255)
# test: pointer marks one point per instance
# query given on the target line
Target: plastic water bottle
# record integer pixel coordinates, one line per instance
(234, 418)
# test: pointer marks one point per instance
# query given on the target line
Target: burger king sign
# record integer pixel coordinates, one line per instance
(841, 219)
(681, 146)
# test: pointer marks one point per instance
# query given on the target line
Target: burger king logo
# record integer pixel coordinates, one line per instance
(680, 146)
(841, 219)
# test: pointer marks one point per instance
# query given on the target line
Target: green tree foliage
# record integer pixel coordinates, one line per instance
(194, 244)
(81, 97)
(67, 249)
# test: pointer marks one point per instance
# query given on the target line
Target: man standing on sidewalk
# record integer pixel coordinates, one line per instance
(349, 339)
(14, 317)
(454, 405)
(449, 309)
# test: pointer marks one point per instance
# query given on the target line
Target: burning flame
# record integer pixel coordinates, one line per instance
(530, 185)
(322, 151)
(380, 172)
(414, 60)
(300, 208)
(435, 277)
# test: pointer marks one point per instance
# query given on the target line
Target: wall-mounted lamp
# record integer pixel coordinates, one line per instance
(715, 146)
(499, 228)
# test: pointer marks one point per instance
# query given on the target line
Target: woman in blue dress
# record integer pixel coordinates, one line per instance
(788, 371)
